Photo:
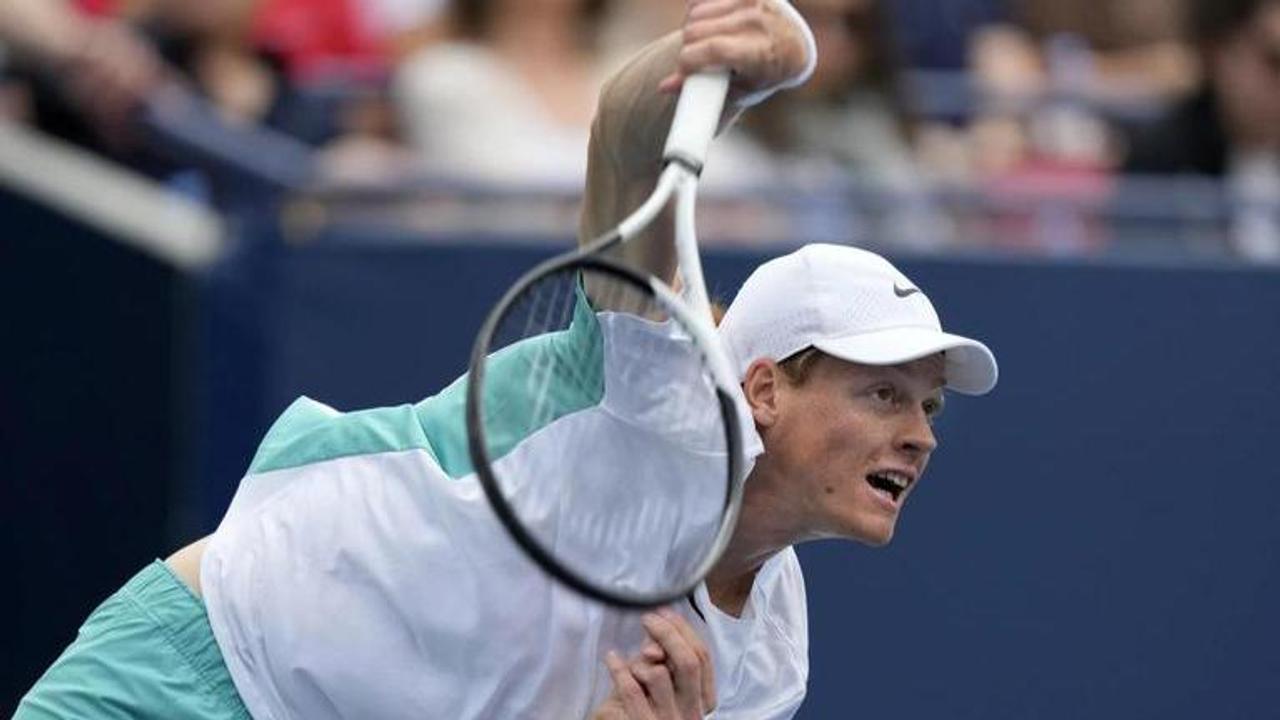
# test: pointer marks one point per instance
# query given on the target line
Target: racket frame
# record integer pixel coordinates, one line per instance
(483, 463)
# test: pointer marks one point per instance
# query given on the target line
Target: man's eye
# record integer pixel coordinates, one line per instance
(932, 409)
(884, 394)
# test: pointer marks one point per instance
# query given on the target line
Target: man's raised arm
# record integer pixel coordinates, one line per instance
(766, 46)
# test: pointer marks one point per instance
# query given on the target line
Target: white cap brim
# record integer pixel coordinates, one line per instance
(971, 368)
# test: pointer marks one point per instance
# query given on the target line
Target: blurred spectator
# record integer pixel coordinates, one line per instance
(211, 44)
(208, 47)
(510, 99)
(320, 39)
(1137, 46)
(100, 8)
(847, 128)
(1044, 82)
(103, 69)
(1036, 104)
(1230, 127)
(45, 28)
(1108, 24)
(1035, 148)
(851, 113)
(405, 26)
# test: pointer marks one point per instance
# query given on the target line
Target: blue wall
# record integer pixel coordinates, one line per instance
(1099, 537)
(89, 427)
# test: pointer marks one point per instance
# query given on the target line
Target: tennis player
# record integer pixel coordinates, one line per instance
(359, 572)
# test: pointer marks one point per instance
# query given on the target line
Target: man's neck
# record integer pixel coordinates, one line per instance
(762, 532)
(729, 593)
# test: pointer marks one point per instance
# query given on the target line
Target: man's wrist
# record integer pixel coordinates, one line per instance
(786, 10)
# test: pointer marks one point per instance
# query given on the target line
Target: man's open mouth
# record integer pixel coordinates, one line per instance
(890, 481)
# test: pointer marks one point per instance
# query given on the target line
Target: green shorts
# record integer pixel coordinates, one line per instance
(147, 652)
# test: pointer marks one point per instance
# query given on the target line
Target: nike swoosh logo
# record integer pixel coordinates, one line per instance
(904, 292)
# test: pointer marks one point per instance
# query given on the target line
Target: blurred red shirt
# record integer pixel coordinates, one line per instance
(319, 38)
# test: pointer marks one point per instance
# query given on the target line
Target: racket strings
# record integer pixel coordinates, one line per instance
(630, 498)
(551, 306)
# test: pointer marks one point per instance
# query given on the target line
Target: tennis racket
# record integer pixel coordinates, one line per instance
(600, 413)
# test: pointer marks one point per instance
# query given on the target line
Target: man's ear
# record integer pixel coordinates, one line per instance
(763, 386)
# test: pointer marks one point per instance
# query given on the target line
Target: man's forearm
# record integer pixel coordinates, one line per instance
(624, 156)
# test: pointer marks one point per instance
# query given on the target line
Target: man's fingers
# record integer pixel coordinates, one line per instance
(713, 8)
(716, 51)
(658, 683)
(735, 23)
(686, 666)
(653, 652)
(628, 689)
(671, 84)
(754, 39)
(699, 647)
(746, 57)
(722, 23)
(671, 676)
(686, 631)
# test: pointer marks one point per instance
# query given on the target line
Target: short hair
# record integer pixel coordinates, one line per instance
(1213, 21)
(797, 367)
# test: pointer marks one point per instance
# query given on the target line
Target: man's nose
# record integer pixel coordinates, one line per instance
(917, 436)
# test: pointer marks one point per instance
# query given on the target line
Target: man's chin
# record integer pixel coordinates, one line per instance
(880, 541)
(877, 535)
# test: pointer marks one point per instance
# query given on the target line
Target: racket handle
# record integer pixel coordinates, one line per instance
(696, 119)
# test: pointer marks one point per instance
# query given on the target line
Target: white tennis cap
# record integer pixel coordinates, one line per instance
(849, 303)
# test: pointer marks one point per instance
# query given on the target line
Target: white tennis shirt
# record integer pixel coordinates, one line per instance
(361, 573)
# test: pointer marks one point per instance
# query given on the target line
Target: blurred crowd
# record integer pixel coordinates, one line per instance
(1039, 124)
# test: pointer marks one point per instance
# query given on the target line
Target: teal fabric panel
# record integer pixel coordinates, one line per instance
(310, 432)
(146, 653)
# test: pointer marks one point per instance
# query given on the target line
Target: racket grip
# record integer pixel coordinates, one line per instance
(696, 119)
